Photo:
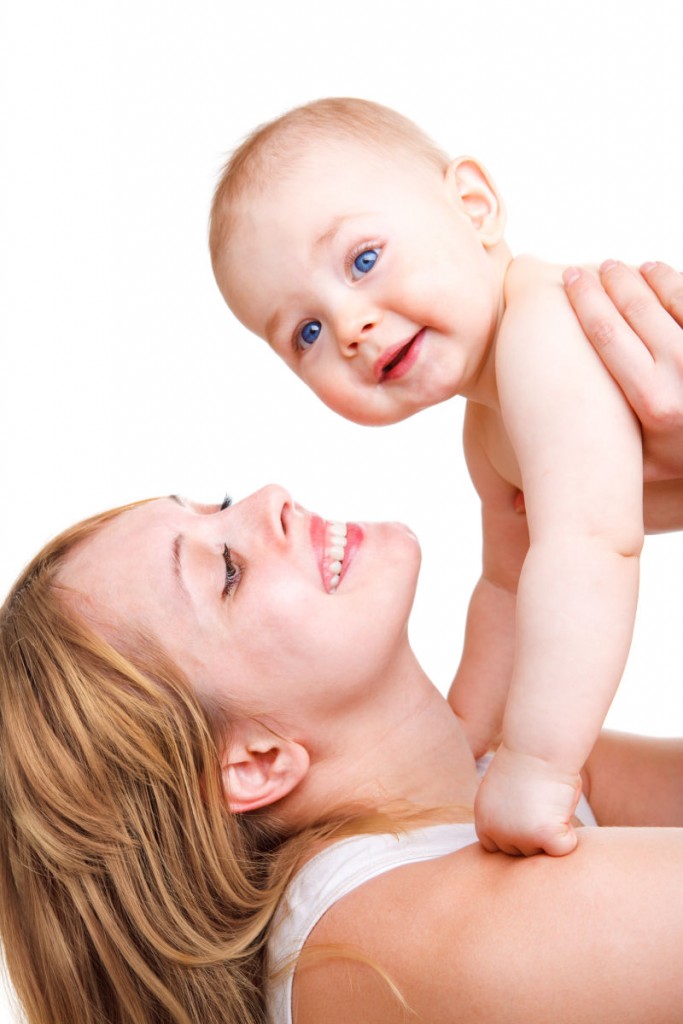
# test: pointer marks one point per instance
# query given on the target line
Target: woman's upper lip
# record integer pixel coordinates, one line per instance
(392, 356)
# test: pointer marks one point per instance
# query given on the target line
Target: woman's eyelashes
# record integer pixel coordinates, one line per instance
(233, 572)
(226, 503)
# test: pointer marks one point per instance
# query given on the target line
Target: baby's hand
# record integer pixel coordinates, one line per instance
(525, 806)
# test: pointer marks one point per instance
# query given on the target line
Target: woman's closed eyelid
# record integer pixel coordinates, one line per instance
(233, 572)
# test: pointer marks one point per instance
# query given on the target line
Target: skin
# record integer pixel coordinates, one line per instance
(464, 931)
(424, 236)
(634, 321)
(278, 585)
(277, 647)
(564, 940)
(379, 253)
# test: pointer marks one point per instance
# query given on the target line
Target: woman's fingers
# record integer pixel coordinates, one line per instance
(621, 349)
(635, 323)
(667, 284)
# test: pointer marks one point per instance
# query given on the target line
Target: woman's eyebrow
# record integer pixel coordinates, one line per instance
(193, 506)
(177, 562)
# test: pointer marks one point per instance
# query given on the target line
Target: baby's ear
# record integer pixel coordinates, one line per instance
(260, 767)
(479, 198)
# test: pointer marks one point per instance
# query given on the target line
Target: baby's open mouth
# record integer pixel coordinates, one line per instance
(400, 355)
(398, 360)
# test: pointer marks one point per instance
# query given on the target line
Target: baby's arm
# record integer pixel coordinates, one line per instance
(579, 451)
(480, 687)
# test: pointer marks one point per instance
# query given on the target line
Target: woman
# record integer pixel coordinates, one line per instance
(193, 707)
(130, 893)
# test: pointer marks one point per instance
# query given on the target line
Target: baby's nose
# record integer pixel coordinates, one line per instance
(356, 329)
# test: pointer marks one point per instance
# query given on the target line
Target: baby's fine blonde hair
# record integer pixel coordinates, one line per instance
(272, 147)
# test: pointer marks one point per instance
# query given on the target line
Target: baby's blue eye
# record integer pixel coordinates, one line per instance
(310, 333)
(366, 260)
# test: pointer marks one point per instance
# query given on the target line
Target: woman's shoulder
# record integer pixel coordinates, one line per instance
(380, 936)
(458, 936)
(327, 879)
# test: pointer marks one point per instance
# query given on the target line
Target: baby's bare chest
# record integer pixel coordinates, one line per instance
(662, 500)
(497, 446)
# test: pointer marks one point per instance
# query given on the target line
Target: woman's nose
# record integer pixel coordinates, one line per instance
(268, 509)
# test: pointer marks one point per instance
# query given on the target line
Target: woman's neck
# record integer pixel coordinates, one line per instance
(404, 744)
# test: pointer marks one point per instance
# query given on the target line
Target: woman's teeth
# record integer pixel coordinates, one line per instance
(334, 553)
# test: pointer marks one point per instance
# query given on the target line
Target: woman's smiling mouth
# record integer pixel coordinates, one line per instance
(334, 545)
(398, 361)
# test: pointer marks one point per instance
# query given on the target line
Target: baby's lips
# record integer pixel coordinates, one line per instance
(398, 359)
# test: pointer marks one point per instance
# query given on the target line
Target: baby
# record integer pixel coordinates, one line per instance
(377, 268)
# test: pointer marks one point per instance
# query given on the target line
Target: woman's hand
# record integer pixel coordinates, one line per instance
(635, 323)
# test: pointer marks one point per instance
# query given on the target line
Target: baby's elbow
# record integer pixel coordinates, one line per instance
(626, 541)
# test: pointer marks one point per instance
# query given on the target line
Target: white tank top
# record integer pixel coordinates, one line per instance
(334, 873)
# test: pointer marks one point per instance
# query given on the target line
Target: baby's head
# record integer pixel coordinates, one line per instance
(370, 263)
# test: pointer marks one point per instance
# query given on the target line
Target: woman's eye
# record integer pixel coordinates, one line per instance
(364, 262)
(233, 572)
(309, 334)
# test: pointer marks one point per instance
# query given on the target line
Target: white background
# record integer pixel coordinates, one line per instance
(122, 373)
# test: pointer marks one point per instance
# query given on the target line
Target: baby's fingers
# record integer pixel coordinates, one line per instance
(556, 844)
(524, 806)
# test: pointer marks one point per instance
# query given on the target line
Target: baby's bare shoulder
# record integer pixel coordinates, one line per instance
(537, 310)
(527, 276)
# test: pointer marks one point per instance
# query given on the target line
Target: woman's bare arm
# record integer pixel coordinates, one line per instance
(485, 938)
(635, 780)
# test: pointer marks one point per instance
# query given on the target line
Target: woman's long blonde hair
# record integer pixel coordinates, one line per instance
(128, 893)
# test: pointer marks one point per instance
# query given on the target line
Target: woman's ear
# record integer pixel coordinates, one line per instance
(479, 198)
(260, 767)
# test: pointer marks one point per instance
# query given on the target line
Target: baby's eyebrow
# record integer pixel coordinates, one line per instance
(273, 325)
(332, 230)
(335, 225)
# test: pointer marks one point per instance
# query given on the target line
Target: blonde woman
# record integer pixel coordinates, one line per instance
(228, 790)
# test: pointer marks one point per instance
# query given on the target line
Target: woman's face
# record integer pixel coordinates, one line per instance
(261, 602)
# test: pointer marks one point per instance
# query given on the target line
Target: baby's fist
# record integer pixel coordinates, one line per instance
(525, 806)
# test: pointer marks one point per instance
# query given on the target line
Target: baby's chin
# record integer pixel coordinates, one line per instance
(384, 415)
(375, 417)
